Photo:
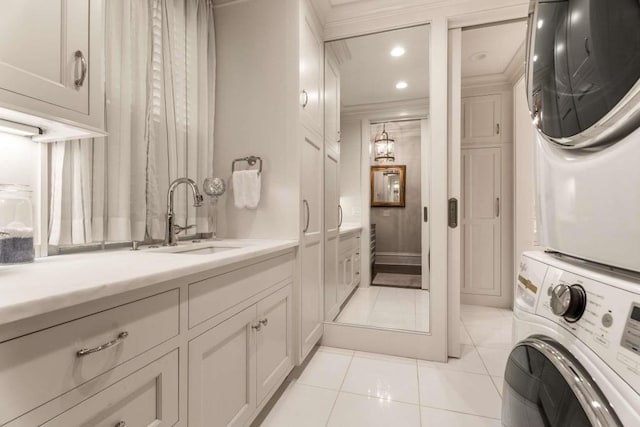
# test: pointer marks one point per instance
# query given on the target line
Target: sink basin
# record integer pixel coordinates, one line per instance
(199, 247)
(203, 251)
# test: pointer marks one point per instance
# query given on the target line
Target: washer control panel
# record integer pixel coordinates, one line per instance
(631, 333)
(609, 322)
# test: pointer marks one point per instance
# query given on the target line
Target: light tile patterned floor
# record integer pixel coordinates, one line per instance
(388, 307)
(343, 388)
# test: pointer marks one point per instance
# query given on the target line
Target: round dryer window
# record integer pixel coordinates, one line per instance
(583, 70)
(545, 386)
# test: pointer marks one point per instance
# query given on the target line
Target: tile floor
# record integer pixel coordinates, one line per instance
(343, 388)
(388, 307)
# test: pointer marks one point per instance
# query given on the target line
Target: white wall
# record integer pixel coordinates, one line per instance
(350, 192)
(256, 114)
(525, 221)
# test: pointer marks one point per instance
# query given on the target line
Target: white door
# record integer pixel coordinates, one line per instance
(311, 293)
(481, 119)
(38, 52)
(480, 221)
(311, 66)
(273, 341)
(332, 217)
(222, 380)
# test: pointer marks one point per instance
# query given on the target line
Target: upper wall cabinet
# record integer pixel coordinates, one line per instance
(481, 120)
(311, 71)
(51, 60)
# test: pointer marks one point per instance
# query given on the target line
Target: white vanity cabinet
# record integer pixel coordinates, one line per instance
(206, 349)
(348, 264)
(51, 63)
(234, 366)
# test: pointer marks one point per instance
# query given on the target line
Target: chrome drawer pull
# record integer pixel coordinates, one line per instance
(83, 71)
(120, 424)
(85, 351)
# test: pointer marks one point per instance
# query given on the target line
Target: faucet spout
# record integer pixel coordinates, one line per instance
(170, 234)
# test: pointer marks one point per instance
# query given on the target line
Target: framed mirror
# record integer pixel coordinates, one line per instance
(388, 185)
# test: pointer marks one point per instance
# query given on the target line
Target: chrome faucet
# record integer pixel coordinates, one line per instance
(172, 229)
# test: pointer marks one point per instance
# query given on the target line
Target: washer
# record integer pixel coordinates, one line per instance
(577, 357)
(583, 87)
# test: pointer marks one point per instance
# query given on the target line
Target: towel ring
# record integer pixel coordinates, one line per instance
(251, 160)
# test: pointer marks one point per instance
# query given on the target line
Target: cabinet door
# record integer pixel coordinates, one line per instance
(222, 387)
(480, 221)
(331, 277)
(273, 341)
(311, 311)
(481, 119)
(148, 397)
(311, 67)
(37, 56)
(331, 103)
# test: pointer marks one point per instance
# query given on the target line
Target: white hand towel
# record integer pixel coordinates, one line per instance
(238, 189)
(246, 189)
(252, 184)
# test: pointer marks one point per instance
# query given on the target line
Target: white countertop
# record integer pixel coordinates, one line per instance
(349, 228)
(57, 282)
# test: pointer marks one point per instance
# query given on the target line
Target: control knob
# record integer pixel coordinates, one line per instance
(568, 301)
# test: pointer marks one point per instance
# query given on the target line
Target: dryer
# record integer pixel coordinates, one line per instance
(583, 88)
(577, 358)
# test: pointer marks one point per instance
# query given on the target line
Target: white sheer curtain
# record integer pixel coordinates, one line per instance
(160, 87)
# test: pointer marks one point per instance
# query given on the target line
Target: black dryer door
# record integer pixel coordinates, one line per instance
(545, 386)
(583, 69)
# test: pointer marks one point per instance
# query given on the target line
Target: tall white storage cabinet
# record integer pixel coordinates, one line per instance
(481, 173)
(312, 165)
(333, 210)
(52, 59)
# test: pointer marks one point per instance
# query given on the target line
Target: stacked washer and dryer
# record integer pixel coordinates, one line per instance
(577, 305)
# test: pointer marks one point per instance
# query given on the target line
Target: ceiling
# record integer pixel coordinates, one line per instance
(494, 47)
(368, 73)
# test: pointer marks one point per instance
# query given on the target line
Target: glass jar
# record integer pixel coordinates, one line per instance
(16, 224)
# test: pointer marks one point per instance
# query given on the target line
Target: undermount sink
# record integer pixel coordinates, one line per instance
(202, 251)
(198, 247)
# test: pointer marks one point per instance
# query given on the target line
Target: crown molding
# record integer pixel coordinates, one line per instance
(367, 16)
(387, 111)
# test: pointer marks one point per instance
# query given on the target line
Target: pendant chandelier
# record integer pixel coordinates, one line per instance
(383, 147)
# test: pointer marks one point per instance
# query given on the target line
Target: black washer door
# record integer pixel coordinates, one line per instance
(583, 58)
(545, 386)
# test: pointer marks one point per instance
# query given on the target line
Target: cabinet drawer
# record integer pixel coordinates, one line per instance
(214, 295)
(40, 366)
(148, 397)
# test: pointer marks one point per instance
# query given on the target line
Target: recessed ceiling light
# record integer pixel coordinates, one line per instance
(401, 85)
(397, 51)
(478, 56)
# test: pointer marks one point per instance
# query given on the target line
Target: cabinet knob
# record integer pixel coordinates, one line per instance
(257, 327)
(120, 424)
(264, 321)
